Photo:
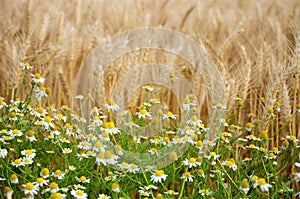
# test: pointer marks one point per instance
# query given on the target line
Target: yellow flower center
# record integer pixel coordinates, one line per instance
(98, 144)
(27, 160)
(18, 161)
(12, 114)
(194, 118)
(245, 183)
(199, 143)
(169, 114)
(80, 193)
(111, 125)
(29, 186)
(40, 110)
(229, 163)
(173, 155)
(108, 155)
(188, 174)
(29, 152)
(114, 186)
(30, 133)
(48, 119)
(187, 100)
(82, 178)
(159, 196)
(212, 153)
(53, 185)
(124, 164)
(293, 137)
(67, 125)
(40, 180)
(111, 102)
(264, 134)
(58, 172)
(166, 139)
(249, 125)
(45, 172)
(192, 160)
(13, 177)
(105, 134)
(200, 172)
(262, 181)
(143, 112)
(159, 173)
(37, 76)
(15, 132)
(133, 166)
(56, 196)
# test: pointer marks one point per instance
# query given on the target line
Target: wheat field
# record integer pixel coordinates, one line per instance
(255, 45)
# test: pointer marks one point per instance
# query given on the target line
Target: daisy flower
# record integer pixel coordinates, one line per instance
(84, 145)
(187, 176)
(111, 106)
(37, 78)
(115, 188)
(169, 115)
(3, 153)
(192, 162)
(245, 186)
(40, 93)
(2, 103)
(58, 174)
(264, 186)
(153, 151)
(158, 176)
(66, 151)
(200, 172)
(124, 165)
(143, 114)
(15, 133)
(148, 88)
(230, 163)
(41, 182)
(47, 123)
(79, 97)
(110, 128)
(57, 196)
(17, 162)
(27, 160)
(103, 196)
(26, 66)
(29, 153)
(106, 158)
(53, 187)
(194, 121)
(30, 189)
(205, 192)
(44, 173)
(83, 179)
(171, 192)
(79, 194)
(212, 155)
(143, 191)
(133, 168)
(30, 136)
(14, 179)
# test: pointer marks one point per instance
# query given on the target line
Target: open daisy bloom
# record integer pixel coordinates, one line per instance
(158, 176)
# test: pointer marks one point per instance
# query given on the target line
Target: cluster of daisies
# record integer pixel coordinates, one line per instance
(143, 152)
